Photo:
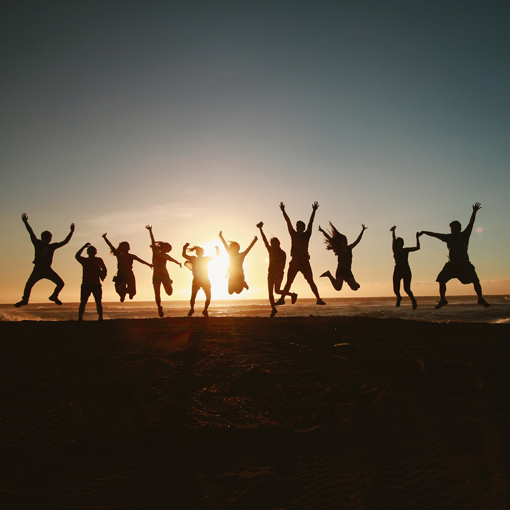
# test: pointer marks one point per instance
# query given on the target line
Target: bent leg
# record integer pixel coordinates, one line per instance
(32, 280)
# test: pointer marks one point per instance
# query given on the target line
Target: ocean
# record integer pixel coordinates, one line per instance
(459, 309)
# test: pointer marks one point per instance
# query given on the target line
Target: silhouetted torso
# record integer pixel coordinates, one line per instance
(93, 269)
(43, 257)
(300, 242)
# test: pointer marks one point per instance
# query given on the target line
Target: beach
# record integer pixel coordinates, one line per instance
(251, 412)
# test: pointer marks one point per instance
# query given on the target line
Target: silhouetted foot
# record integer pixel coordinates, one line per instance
(191, 312)
(482, 302)
(205, 313)
(245, 285)
(21, 303)
(293, 298)
(100, 319)
(327, 273)
(160, 311)
(131, 296)
(274, 311)
(55, 300)
(441, 303)
(399, 300)
(80, 319)
(122, 298)
(320, 302)
(415, 304)
(281, 301)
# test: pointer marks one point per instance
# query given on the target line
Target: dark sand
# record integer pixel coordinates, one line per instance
(254, 413)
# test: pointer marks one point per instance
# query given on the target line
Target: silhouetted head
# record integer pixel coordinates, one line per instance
(337, 241)
(198, 250)
(163, 247)
(123, 247)
(275, 242)
(300, 226)
(398, 244)
(91, 251)
(455, 227)
(46, 237)
(235, 246)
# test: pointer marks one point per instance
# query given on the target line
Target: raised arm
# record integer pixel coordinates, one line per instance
(68, 238)
(476, 207)
(315, 206)
(149, 228)
(264, 238)
(223, 241)
(78, 255)
(24, 218)
(355, 243)
(245, 252)
(393, 237)
(287, 219)
(112, 248)
(417, 247)
(184, 254)
(324, 232)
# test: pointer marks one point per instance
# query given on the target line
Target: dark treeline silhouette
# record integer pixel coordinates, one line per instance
(94, 269)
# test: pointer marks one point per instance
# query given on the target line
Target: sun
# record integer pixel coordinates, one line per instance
(217, 269)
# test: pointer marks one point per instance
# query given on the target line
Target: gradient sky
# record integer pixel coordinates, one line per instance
(197, 117)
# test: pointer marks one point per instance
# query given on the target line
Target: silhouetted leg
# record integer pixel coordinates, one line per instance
(396, 287)
(98, 296)
(59, 285)
(194, 290)
(337, 284)
(131, 285)
(207, 292)
(32, 280)
(478, 290)
(291, 274)
(442, 294)
(277, 288)
(407, 289)
(157, 294)
(121, 289)
(308, 274)
(84, 297)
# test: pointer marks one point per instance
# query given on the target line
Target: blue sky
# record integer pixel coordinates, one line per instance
(197, 117)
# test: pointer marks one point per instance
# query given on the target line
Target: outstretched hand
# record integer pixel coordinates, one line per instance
(315, 206)
(477, 206)
(72, 227)
(282, 206)
(148, 227)
(363, 226)
(104, 235)
(418, 234)
(392, 229)
(260, 224)
(24, 217)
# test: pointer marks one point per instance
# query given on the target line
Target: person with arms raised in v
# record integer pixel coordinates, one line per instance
(300, 258)
(44, 251)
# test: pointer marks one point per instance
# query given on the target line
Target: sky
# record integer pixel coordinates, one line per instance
(201, 116)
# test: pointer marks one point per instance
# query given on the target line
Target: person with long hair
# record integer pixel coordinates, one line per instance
(160, 276)
(402, 271)
(197, 264)
(125, 278)
(236, 280)
(337, 242)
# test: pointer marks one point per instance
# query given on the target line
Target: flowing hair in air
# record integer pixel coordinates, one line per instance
(334, 240)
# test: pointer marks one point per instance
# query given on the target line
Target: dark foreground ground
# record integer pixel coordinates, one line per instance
(254, 413)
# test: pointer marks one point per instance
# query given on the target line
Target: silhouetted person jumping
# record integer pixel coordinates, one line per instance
(458, 265)
(160, 275)
(44, 250)
(276, 269)
(402, 270)
(236, 281)
(198, 266)
(94, 272)
(337, 242)
(125, 278)
(300, 258)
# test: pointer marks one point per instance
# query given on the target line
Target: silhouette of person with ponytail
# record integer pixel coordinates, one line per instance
(125, 278)
(198, 266)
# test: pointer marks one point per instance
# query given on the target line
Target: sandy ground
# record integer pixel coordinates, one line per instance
(254, 413)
